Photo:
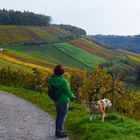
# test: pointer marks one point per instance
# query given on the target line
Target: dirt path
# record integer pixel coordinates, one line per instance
(20, 120)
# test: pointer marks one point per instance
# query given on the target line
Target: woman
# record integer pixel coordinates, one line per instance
(64, 95)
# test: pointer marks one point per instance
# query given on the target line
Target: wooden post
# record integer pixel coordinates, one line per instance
(113, 94)
(77, 89)
(36, 71)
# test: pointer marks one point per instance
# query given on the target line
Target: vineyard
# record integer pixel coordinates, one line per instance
(134, 58)
(80, 55)
(64, 53)
(56, 31)
(23, 63)
(14, 34)
(86, 86)
(43, 34)
(23, 50)
(11, 34)
(100, 50)
(4, 63)
(52, 45)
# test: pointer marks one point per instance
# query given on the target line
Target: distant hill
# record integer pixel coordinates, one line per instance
(51, 45)
(53, 33)
(130, 43)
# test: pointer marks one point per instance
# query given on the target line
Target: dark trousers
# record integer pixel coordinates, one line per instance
(61, 110)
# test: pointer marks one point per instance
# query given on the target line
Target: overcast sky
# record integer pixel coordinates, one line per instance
(119, 17)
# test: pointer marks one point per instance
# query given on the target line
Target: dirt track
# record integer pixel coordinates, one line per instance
(20, 120)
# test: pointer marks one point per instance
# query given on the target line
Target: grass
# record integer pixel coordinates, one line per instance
(115, 126)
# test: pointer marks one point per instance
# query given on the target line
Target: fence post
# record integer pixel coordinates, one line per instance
(113, 94)
(36, 71)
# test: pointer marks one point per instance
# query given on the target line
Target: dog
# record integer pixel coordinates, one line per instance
(99, 107)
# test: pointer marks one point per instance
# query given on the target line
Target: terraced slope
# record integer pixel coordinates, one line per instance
(80, 55)
(4, 63)
(63, 53)
(56, 31)
(25, 62)
(11, 34)
(131, 55)
(92, 47)
(43, 33)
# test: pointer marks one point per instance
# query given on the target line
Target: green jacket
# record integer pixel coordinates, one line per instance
(62, 88)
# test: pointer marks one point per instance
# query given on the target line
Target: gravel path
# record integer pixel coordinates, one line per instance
(20, 120)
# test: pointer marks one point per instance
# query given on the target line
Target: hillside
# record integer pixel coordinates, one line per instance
(64, 44)
(52, 44)
(130, 43)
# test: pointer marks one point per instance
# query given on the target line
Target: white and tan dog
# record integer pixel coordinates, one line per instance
(99, 107)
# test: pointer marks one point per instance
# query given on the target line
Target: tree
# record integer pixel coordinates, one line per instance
(12, 17)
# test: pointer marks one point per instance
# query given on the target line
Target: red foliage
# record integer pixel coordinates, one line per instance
(96, 51)
(84, 47)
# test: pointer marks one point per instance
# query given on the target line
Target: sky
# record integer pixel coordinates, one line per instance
(118, 17)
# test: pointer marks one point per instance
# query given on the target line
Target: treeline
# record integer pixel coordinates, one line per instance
(130, 43)
(12, 17)
(74, 30)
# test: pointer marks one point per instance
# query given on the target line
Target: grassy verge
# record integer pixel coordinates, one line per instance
(115, 127)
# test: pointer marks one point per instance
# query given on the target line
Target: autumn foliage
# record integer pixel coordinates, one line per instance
(87, 86)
